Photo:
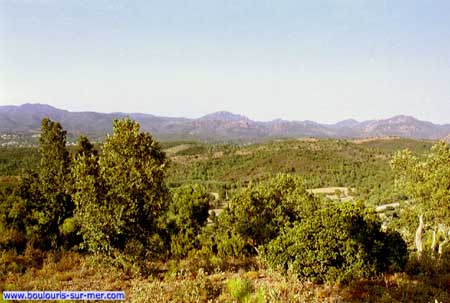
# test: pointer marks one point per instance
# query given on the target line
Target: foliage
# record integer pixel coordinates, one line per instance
(426, 182)
(55, 204)
(122, 208)
(120, 194)
(188, 213)
(85, 147)
(41, 202)
(15, 161)
(240, 289)
(259, 212)
(323, 163)
(338, 243)
(219, 239)
(189, 206)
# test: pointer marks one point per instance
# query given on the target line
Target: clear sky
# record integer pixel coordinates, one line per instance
(322, 60)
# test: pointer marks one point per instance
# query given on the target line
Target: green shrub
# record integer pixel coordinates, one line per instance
(218, 240)
(182, 242)
(188, 213)
(240, 289)
(339, 243)
(258, 213)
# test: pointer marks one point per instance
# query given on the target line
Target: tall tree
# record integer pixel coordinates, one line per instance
(48, 202)
(121, 195)
(89, 194)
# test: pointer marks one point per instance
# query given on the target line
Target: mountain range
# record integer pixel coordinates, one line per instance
(219, 126)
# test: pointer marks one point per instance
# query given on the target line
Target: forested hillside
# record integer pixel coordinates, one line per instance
(312, 220)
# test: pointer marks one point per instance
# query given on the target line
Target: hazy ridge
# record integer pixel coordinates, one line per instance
(218, 126)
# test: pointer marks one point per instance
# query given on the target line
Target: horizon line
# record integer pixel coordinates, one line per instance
(229, 112)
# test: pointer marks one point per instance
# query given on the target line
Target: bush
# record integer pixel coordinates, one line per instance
(258, 213)
(339, 243)
(182, 242)
(240, 289)
(217, 239)
(188, 213)
(12, 239)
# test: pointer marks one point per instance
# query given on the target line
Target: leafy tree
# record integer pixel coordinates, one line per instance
(121, 194)
(88, 193)
(42, 202)
(259, 212)
(85, 147)
(338, 243)
(89, 199)
(426, 182)
(54, 181)
(54, 170)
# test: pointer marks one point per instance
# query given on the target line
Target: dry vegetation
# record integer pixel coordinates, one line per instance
(219, 280)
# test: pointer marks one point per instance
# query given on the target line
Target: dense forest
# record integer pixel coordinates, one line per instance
(289, 220)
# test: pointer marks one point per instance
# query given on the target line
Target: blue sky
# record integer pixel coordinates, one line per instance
(323, 60)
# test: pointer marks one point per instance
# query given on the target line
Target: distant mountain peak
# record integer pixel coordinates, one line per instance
(217, 126)
(30, 107)
(37, 104)
(402, 119)
(223, 116)
(348, 123)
